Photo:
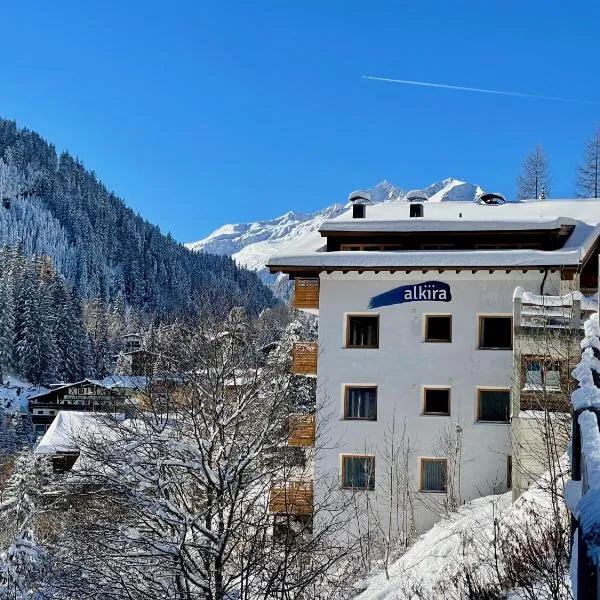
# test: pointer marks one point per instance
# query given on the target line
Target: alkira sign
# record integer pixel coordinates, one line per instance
(428, 291)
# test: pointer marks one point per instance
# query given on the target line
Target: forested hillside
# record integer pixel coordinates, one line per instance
(53, 205)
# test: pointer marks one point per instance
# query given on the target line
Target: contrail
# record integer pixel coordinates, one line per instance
(479, 90)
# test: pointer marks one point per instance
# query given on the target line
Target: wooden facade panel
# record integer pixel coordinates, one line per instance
(306, 293)
(557, 402)
(301, 430)
(304, 358)
(293, 498)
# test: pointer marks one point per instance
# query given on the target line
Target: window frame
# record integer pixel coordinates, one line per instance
(426, 338)
(478, 391)
(544, 362)
(371, 486)
(346, 395)
(426, 413)
(422, 461)
(348, 329)
(481, 318)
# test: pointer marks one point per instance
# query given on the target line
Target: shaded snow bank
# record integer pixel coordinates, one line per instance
(461, 543)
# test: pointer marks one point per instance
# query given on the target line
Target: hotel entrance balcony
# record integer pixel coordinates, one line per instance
(292, 498)
(306, 294)
(304, 358)
(301, 430)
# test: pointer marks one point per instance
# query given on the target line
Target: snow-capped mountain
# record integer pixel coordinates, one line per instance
(252, 244)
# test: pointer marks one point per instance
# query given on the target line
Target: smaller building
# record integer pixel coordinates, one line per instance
(138, 363)
(547, 334)
(61, 443)
(87, 395)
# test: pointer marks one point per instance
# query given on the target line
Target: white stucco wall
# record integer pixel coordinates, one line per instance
(403, 364)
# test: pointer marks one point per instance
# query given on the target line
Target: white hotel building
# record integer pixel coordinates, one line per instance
(415, 305)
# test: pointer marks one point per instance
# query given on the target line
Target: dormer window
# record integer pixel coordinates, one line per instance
(359, 200)
(416, 210)
(358, 211)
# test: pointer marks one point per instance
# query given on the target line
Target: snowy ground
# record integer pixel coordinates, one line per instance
(15, 393)
(464, 539)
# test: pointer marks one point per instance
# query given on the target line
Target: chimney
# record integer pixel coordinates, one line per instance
(359, 201)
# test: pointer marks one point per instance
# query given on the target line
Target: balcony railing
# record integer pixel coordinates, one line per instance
(306, 293)
(292, 498)
(304, 358)
(301, 430)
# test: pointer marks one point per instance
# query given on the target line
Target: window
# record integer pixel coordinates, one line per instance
(358, 211)
(495, 333)
(509, 472)
(363, 332)
(360, 403)
(542, 374)
(416, 210)
(493, 405)
(437, 401)
(358, 472)
(438, 328)
(433, 474)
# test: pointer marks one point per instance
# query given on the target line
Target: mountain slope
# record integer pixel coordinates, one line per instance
(252, 244)
(52, 204)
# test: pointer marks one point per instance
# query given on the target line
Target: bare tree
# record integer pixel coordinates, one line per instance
(588, 173)
(534, 180)
(178, 500)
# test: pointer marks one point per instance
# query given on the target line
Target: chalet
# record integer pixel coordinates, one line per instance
(87, 395)
(61, 443)
(417, 329)
(138, 362)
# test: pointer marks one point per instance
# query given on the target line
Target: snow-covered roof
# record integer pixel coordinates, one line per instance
(62, 386)
(66, 429)
(584, 215)
(133, 382)
(417, 225)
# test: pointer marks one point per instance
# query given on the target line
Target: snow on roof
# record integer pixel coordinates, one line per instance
(440, 225)
(66, 385)
(134, 382)
(542, 214)
(66, 429)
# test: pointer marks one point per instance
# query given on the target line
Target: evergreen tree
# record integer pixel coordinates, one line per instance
(7, 325)
(588, 173)
(533, 182)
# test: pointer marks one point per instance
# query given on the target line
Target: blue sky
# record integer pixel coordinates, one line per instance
(199, 113)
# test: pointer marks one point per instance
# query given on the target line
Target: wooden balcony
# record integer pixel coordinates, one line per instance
(551, 402)
(292, 498)
(304, 358)
(306, 293)
(301, 430)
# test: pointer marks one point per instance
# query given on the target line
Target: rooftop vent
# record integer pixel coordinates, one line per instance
(359, 200)
(491, 199)
(416, 196)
